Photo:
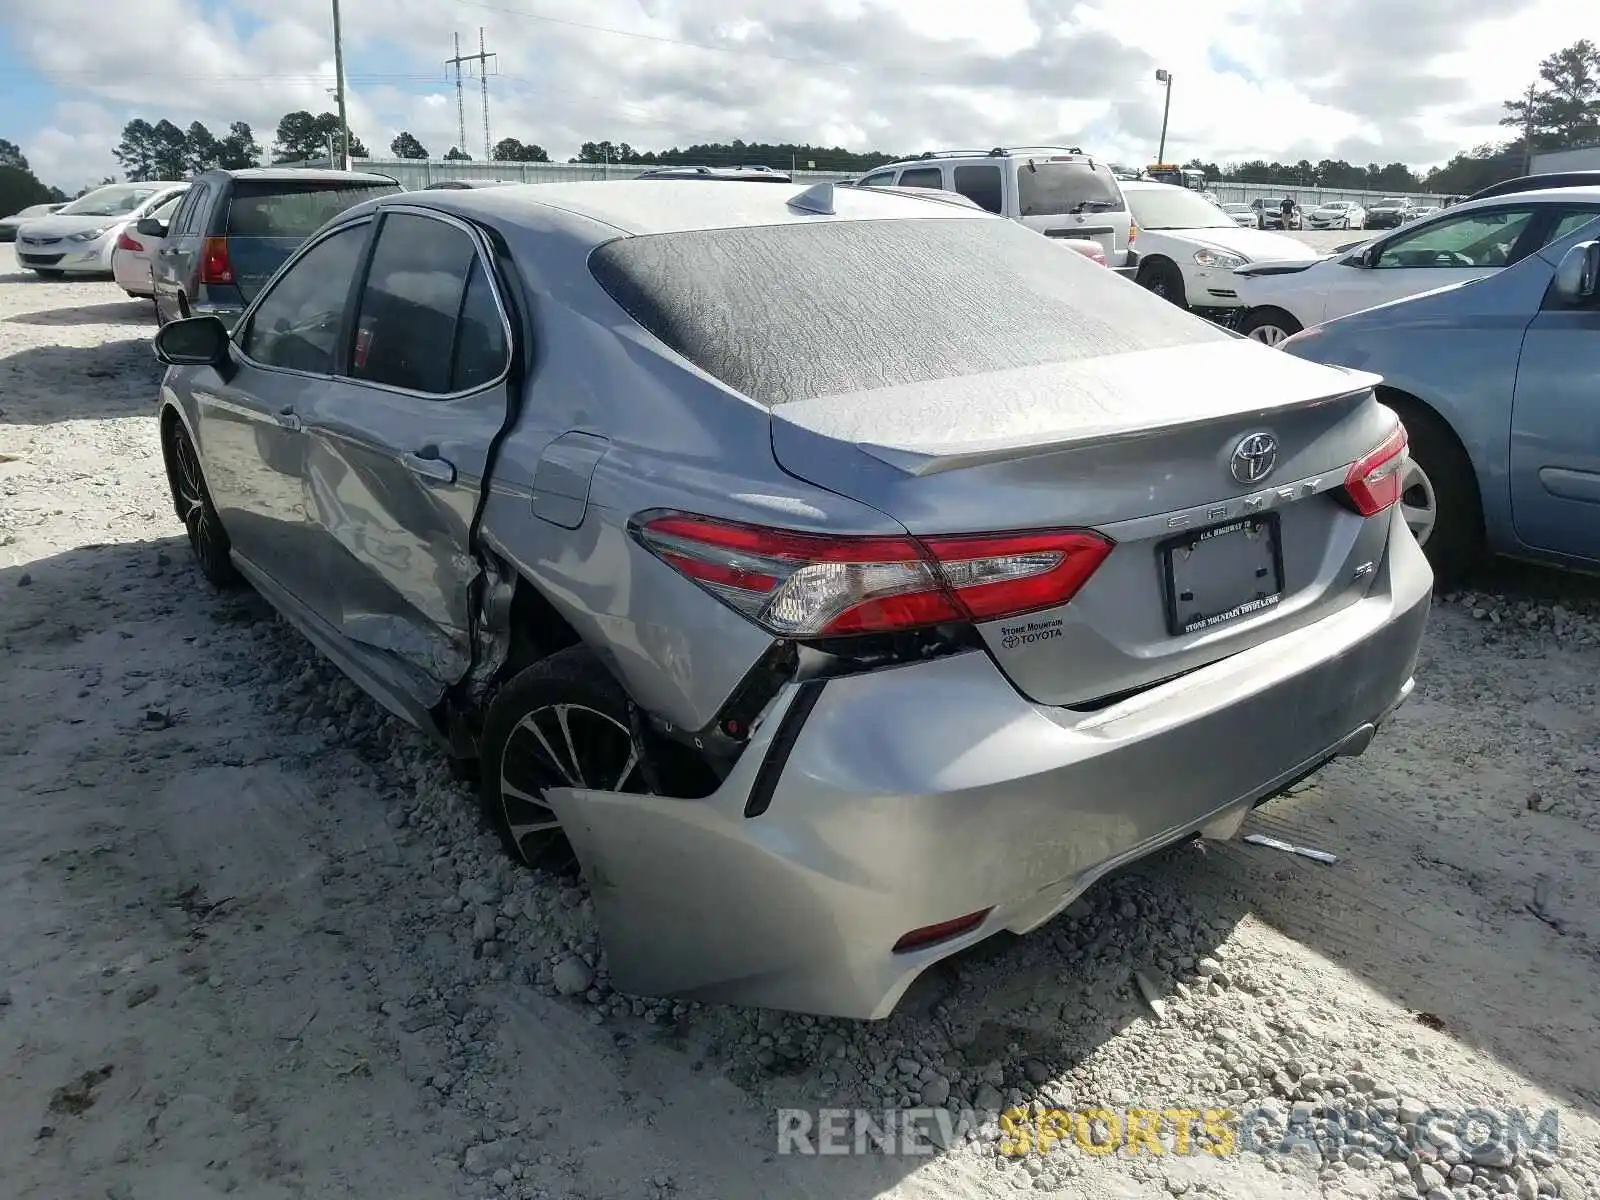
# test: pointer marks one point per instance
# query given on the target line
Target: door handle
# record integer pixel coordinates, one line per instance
(429, 465)
(286, 417)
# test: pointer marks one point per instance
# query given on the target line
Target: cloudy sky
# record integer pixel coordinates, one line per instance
(1364, 80)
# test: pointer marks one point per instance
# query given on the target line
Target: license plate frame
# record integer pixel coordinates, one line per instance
(1175, 555)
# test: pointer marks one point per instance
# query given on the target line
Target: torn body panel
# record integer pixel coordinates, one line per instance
(921, 794)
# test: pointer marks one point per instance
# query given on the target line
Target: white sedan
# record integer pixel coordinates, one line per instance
(1189, 247)
(79, 237)
(1459, 244)
(1337, 214)
(134, 251)
(1243, 215)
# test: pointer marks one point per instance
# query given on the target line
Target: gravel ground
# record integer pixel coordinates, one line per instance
(254, 941)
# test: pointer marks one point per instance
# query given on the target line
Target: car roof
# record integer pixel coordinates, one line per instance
(1556, 195)
(461, 184)
(293, 174)
(1150, 185)
(755, 174)
(649, 206)
(1540, 182)
(997, 155)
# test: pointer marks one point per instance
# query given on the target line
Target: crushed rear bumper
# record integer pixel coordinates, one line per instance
(920, 794)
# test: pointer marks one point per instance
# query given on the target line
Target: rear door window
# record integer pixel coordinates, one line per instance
(291, 209)
(406, 322)
(1572, 220)
(1051, 189)
(480, 349)
(980, 184)
(187, 219)
(922, 177)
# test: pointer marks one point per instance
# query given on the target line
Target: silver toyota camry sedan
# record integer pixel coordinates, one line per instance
(836, 578)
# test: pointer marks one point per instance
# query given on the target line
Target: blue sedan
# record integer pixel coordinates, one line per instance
(1498, 383)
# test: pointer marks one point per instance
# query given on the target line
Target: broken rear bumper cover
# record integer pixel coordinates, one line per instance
(917, 795)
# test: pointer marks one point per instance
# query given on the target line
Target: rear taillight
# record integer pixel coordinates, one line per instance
(1373, 481)
(214, 264)
(806, 585)
(126, 242)
(1133, 233)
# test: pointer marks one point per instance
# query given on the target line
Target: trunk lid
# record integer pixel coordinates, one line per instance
(1139, 446)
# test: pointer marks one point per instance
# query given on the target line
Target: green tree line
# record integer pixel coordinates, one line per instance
(19, 186)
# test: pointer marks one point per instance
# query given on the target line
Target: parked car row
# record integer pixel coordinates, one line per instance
(795, 633)
(80, 238)
(1483, 321)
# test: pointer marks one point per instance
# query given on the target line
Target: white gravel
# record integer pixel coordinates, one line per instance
(253, 939)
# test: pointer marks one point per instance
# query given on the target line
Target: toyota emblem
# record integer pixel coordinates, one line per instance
(1254, 457)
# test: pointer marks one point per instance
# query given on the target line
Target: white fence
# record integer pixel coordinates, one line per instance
(419, 173)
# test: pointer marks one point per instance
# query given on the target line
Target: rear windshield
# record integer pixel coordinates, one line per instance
(789, 312)
(295, 210)
(1049, 189)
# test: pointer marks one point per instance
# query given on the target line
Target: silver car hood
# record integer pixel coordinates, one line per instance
(925, 428)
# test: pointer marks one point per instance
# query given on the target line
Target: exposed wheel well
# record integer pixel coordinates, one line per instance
(537, 629)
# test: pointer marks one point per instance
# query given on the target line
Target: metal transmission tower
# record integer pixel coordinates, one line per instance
(483, 78)
(482, 58)
(461, 105)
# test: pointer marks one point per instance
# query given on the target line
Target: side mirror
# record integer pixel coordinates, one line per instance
(1577, 278)
(151, 227)
(193, 342)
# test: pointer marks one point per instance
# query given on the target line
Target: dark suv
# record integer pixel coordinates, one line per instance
(235, 228)
(1389, 214)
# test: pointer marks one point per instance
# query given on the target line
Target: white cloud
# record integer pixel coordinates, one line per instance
(1357, 79)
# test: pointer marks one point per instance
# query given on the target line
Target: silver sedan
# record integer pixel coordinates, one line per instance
(834, 576)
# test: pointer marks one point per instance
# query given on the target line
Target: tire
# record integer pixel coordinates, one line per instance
(1269, 326)
(1441, 474)
(208, 540)
(522, 751)
(1161, 277)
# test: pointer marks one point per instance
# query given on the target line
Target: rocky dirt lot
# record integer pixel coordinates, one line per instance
(254, 941)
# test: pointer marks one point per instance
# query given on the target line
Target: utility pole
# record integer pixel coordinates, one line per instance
(1527, 131)
(1164, 76)
(482, 58)
(338, 72)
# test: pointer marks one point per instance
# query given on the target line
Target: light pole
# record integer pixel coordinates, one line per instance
(1164, 76)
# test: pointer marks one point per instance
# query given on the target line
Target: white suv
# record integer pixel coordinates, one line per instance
(1059, 191)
